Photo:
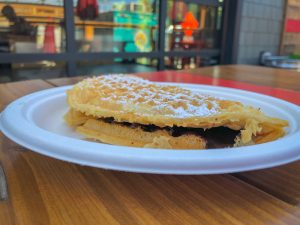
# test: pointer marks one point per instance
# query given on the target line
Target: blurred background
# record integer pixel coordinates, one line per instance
(56, 38)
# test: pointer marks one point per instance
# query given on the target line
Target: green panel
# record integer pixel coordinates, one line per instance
(123, 34)
(135, 18)
(129, 38)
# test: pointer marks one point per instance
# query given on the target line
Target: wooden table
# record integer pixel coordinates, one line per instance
(42, 190)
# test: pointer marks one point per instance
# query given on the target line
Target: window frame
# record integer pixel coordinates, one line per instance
(227, 52)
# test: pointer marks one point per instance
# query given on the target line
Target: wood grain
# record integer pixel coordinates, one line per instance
(12, 91)
(10, 152)
(282, 182)
(44, 190)
(279, 78)
(65, 81)
(49, 191)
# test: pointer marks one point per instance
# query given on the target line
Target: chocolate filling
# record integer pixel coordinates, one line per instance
(217, 137)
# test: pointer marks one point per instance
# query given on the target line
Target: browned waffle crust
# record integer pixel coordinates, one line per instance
(134, 100)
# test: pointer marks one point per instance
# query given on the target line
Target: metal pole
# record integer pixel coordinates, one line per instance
(70, 36)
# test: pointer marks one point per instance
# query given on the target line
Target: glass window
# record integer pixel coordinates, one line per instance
(179, 63)
(32, 26)
(35, 70)
(116, 66)
(116, 26)
(191, 26)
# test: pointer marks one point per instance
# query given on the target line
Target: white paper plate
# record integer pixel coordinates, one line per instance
(35, 122)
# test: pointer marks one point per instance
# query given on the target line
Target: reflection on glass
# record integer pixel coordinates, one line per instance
(32, 26)
(116, 25)
(116, 66)
(192, 26)
(35, 70)
(179, 63)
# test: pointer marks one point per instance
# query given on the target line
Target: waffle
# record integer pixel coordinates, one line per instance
(133, 100)
(123, 135)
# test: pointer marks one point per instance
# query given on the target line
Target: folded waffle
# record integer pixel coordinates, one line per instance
(128, 110)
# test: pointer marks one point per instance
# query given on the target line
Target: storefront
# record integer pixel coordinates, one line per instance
(55, 38)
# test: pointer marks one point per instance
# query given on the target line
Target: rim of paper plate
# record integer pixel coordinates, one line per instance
(18, 124)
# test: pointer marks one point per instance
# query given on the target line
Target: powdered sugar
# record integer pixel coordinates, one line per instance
(139, 95)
